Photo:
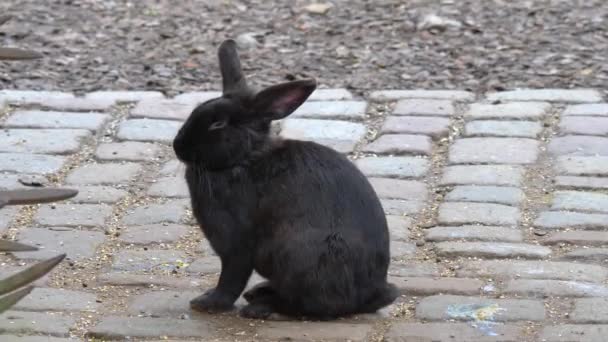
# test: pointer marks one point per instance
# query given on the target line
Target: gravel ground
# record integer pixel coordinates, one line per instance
(170, 46)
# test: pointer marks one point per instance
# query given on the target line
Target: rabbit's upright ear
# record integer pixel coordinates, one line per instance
(278, 101)
(230, 67)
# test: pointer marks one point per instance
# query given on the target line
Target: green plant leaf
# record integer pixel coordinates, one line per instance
(11, 54)
(29, 275)
(12, 246)
(9, 300)
(34, 196)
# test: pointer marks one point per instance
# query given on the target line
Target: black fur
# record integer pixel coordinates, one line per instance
(299, 213)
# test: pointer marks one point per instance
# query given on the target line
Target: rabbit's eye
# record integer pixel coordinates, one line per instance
(218, 125)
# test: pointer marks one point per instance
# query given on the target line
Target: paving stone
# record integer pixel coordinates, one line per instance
(511, 110)
(487, 194)
(583, 166)
(77, 104)
(400, 144)
(119, 328)
(491, 250)
(587, 109)
(197, 97)
(598, 255)
(162, 109)
(574, 182)
(444, 307)
(483, 175)
(173, 187)
(458, 213)
(43, 119)
(7, 214)
(154, 233)
(330, 94)
(32, 96)
(7, 269)
(590, 310)
(98, 194)
(393, 167)
(148, 130)
(494, 150)
(433, 286)
(314, 331)
(398, 226)
(19, 322)
(579, 145)
(559, 288)
(400, 249)
(163, 303)
(206, 265)
(401, 207)
(454, 332)
(435, 127)
(346, 110)
(556, 95)
(580, 200)
(73, 215)
(149, 260)
(15, 338)
(585, 125)
(340, 135)
(150, 281)
(492, 128)
(474, 233)
(173, 168)
(575, 237)
(9, 181)
(170, 212)
(100, 174)
(77, 244)
(533, 270)
(399, 188)
(570, 219)
(574, 333)
(52, 141)
(391, 95)
(424, 107)
(413, 269)
(31, 163)
(48, 299)
(127, 150)
(124, 96)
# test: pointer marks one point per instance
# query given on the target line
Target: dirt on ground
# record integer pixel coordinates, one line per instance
(170, 46)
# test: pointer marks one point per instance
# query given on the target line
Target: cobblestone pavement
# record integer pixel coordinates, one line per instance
(497, 204)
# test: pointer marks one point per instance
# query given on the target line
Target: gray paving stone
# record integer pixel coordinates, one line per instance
(590, 255)
(173, 168)
(48, 299)
(73, 215)
(560, 288)
(36, 338)
(330, 94)
(163, 109)
(170, 212)
(43, 119)
(454, 332)
(31, 163)
(494, 250)
(435, 127)
(574, 332)
(413, 269)
(492, 128)
(401, 207)
(585, 238)
(511, 110)
(119, 328)
(398, 227)
(148, 130)
(461, 308)
(7, 214)
(341, 135)
(314, 331)
(424, 107)
(98, 194)
(197, 97)
(399, 188)
(154, 233)
(458, 213)
(555, 95)
(580, 200)
(206, 265)
(483, 175)
(532, 269)
(584, 125)
(583, 166)
(494, 150)
(152, 280)
(173, 187)
(346, 110)
(590, 310)
(19, 322)
(7, 269)
(101, 174)
(587, 109)
(163, 304)
(391, 95)
(570, 219)
(9, 181)
(574, 182)
(400, 144)
(400, 249)
(52, 141)
(149, 260)
(127, 150)
(579, 145)
(433, 286)
(77, 104)
(487, 194)
(393, 167)
(78, 244)
(124, 96)
(474, 233)
(32, 96)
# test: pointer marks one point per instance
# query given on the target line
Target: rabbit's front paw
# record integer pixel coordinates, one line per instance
(212, 301)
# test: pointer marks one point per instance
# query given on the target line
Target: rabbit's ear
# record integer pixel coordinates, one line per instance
(278, 101)
(230, 67)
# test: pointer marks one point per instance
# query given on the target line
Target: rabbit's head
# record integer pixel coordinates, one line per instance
(226, 131)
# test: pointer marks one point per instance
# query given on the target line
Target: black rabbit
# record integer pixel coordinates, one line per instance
(299, 213)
